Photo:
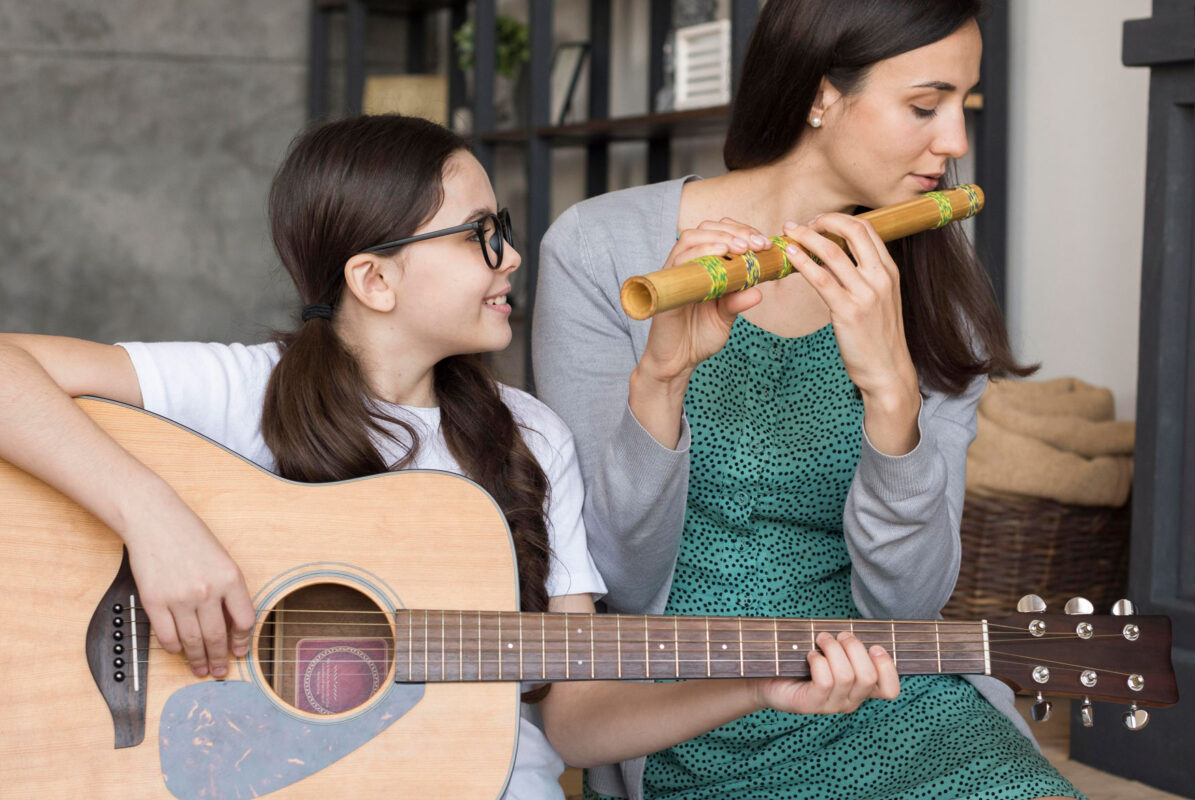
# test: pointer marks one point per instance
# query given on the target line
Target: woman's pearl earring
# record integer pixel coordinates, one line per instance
(815, 122)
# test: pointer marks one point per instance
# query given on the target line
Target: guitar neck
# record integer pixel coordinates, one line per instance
(433, 646)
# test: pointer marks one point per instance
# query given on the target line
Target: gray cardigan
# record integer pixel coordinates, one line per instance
(902, 513)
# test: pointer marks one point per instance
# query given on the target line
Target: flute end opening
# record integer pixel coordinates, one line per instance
(638, 297)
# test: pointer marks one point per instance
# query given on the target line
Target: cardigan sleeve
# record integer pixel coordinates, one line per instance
(903, 513)
(583, 355)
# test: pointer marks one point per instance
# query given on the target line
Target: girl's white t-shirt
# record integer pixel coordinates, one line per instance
(218, 391)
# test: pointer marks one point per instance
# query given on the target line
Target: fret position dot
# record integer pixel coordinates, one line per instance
(794, 647)
(509, 645)
(578, 630)
(661, 647)
(723, 647)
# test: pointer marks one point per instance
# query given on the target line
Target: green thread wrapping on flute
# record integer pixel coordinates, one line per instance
(945, 210)
(752, 262)
(716, 269)
(972, 199)
(787, 266)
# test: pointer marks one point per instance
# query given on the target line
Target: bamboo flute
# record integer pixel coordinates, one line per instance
(709, 277)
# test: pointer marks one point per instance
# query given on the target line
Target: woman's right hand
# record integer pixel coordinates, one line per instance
(191, 589)
(682, 338)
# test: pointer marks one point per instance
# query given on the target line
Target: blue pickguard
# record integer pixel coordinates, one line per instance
(226, 739)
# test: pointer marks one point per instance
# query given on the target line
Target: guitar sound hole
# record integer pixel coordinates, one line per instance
(326, 648)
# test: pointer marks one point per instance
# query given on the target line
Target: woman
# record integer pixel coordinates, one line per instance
(797, 449)
(389, 228)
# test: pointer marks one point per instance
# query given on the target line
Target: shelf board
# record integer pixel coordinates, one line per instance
(393, 6)
(673, 124)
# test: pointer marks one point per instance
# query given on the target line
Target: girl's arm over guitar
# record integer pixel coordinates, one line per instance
(193, 592)
(591, 723)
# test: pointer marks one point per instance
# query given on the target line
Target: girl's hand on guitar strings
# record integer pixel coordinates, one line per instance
(841, 676)
(192, 590)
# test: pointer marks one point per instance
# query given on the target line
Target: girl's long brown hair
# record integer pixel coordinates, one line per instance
(953, 326)
(344, 187)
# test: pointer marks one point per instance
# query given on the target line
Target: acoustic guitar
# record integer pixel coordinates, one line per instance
(388, 644)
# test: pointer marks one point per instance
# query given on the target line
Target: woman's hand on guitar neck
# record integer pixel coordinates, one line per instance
(682, 338)
(841, 676)
(192, 590)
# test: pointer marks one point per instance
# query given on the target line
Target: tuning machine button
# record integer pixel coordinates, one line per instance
(1041, 674)
(1087, 713)
(1031, 604)
(1079, 605)
(1123, 608)
(1041, 709)
(1135, 718)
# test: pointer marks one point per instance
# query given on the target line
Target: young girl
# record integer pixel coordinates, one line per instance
(390, 230)
(805, 458)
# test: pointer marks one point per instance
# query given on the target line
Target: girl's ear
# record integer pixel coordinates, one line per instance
(373, 281)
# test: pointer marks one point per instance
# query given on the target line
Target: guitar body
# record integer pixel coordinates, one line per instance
(414, 540)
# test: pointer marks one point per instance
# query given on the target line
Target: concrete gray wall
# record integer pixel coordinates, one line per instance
(137, 143)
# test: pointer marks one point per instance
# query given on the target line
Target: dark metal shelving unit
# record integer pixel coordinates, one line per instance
(537, 136)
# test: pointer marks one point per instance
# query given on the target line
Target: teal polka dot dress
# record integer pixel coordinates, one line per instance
(777, 431)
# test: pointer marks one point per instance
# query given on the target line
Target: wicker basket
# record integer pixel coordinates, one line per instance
(1015, 545)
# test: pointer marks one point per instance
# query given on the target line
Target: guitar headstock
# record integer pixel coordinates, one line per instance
(1122, 657)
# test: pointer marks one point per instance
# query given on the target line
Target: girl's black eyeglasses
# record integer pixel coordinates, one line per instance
(493, 231)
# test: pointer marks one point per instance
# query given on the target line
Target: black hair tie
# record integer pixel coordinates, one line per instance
(316, 311)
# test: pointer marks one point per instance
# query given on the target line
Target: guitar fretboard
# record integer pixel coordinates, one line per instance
(433, 646)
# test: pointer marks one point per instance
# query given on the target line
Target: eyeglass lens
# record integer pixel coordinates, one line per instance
(494, 232)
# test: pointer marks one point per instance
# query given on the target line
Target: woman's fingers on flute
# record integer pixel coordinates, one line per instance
(868, 248)
(836, 277)
(744, 236)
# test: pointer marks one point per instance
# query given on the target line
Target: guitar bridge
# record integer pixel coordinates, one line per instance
(117, 654)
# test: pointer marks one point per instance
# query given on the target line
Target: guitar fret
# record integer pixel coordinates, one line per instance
(706, 647)
(499, 647)
(895, 663)
(460, 653)
(410, 647)
(443, 648)
(776, 646)
(938, 646)
(676, 644)
(740, 647)
(426, 674)
(592, 657)
(543, 645)
(479, 662)
(987, 654)
(646, 649)
(520, 647)
(618, 639)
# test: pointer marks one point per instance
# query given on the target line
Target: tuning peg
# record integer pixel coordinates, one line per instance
(1079, 605)
(1123, 608)
(1031, 604)
(1135, 718)
(1041, 709)
(1087, 713)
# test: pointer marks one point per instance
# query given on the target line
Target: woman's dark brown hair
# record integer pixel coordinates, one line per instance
(954, 328)
(346, 186)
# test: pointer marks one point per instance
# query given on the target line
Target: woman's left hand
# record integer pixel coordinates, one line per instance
(863, 296)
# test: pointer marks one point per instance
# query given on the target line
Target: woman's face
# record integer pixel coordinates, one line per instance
(891, 140)
(450, 301)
